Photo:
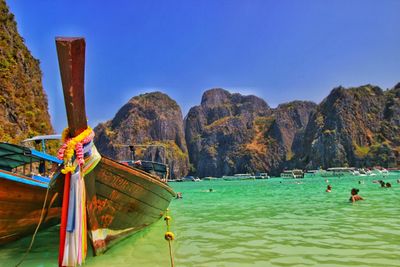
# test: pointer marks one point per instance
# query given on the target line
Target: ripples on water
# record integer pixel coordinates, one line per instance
(257, 223)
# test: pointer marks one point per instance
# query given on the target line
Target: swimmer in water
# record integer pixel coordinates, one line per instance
(354, 195)
(328, 188)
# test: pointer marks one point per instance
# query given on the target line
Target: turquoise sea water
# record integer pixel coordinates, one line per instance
(275, 222)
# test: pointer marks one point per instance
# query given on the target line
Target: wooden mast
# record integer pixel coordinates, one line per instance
(71, 59)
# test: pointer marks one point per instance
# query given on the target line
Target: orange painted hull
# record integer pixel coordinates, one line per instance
(20, 209)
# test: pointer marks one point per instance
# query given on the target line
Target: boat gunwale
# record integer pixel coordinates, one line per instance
(19, 178)
(137, 172)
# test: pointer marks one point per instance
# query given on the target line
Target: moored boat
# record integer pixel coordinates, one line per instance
(262, 175)
(25, 174)
(238, 177)
(120, 199)
(339, 171)
(296, 173)
(157, 168)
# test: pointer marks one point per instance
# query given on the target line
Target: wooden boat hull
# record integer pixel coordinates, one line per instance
(122, 200)
(20, 209)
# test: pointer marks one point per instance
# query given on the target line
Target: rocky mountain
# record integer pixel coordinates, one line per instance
(148, 119)
(231, 133)
(291, 120)
(23, 102)
(354, 127)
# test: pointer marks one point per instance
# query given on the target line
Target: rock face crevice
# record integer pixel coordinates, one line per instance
(23, 102)
(152, 121)
(231, 133)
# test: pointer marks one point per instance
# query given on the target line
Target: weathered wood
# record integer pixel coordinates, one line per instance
(71, 58)
(20, 209)
(121, 201)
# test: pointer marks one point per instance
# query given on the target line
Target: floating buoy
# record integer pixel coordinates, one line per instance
(169, 236)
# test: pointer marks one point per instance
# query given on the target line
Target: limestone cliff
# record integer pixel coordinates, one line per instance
(23, 102)
(231, 133)
(291, 120)
(148, 119)
(354, 127)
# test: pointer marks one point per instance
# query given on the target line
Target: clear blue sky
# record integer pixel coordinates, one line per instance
(277, 50)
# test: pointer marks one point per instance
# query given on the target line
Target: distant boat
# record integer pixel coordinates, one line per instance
(262, 175)
(239, 177)
(24, 180)
(340, 171)
(209, 178)
(157, 168)
(295, 174)
(380, 171)
(175, 180)
(120, 199)
(190, 179)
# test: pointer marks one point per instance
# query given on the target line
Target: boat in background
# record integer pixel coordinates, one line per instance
(157, 168)
(239, 177)
(120, 200)
(190, 179)
(25, 175)
(209, 178)
(340, 171)
(380, 171)
(261, 175)
(294, 174)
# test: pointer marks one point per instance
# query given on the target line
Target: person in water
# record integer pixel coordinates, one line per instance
(382, 183)
(178, 195)
(328, 188)
(388, 184)
(354, 195)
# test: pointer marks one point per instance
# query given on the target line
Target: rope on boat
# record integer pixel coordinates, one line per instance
(38, 225)
(169, 236)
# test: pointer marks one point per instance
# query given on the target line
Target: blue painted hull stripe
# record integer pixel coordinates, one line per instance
(22, 180)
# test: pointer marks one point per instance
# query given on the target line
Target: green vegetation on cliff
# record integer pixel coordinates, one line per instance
(23, 103)
(148, 119)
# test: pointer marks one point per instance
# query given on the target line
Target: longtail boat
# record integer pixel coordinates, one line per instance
(120, 199)
(24, 181)
(159, 169)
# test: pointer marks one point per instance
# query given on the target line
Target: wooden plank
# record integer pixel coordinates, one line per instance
(131, 193)
(116, 219)
(12, 190)
(71, 58)
(28, 223)
(111, 172)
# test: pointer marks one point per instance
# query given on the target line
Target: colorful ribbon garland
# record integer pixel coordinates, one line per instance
(80, 156)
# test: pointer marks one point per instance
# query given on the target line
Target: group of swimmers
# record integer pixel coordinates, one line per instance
(385, 185)
(354, 191)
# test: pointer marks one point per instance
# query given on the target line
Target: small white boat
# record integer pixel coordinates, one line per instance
(296, 173)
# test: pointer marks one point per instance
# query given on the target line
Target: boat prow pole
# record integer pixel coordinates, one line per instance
(71, 59)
